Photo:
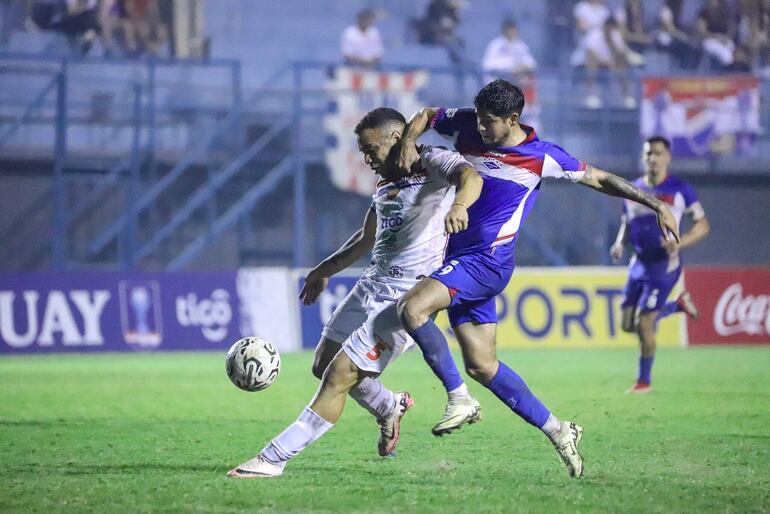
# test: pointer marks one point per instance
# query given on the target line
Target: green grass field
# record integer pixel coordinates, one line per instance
(158, 432)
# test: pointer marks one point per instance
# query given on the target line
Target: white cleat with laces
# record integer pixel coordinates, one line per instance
(457, 413)
(257, 468)
(566, 444)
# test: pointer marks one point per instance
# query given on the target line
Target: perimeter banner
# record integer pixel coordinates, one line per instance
(734, 305)
(541, 308)
(100, 311)
(569, 308)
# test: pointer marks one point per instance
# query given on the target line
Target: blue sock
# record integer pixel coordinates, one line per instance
(668, 309)
(512, 391)
(435, 351)
(645, 369)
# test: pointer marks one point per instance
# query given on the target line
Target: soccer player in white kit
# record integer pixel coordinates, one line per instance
(406, 228)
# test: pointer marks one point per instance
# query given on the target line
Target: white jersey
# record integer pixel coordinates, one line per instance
(411, 237)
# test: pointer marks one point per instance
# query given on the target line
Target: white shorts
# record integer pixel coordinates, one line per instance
(367, 323)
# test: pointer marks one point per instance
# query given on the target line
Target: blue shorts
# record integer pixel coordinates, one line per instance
(474, 280)
(649, 291)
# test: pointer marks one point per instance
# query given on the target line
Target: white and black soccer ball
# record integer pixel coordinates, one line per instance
(253, 364)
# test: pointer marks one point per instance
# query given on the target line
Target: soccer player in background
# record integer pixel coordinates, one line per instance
(480, 260)
(406, 229)
(655, 266)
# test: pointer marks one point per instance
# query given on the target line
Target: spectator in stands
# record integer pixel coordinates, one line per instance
(361, 43)
(439, 27)
(601, 45)
(146, 20)
(508, 57)
(716, 31)
(672, 38)
(76, 19)
(754, 31)
(630, 19)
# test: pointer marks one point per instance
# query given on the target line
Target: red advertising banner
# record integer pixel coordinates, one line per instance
(734, 305)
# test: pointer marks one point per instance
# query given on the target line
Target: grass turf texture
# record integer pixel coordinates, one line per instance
(157, 432)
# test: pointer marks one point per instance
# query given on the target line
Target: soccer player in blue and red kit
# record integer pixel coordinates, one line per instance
(655, 266)
(480, 260)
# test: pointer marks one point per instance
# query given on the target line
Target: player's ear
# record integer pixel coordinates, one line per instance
(514, 119)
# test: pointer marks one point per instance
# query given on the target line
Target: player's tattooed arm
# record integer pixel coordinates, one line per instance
(358, 245)
(418, 124)
(613, 185)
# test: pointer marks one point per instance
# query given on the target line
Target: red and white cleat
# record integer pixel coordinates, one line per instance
(390, 426)
(687, 305)
(639, 388)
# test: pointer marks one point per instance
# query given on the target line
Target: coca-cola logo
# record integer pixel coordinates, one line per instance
(737, 313)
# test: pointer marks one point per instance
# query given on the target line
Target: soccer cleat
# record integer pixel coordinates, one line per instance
(457, 413)
(566, 444)
(639, 388)
(390, 426)
(257, 468)
(687, 305)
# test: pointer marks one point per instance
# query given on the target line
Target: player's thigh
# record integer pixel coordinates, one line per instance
(424, 299)
(477, 343)
(324, 353)
(628, 318)
(349, 314)
(379, 341)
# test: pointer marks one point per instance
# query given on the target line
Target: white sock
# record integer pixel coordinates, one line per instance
(459, 392)
(552, 427)
(374, 397)
(308, 427)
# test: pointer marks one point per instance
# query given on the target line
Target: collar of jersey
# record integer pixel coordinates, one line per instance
(531, 136)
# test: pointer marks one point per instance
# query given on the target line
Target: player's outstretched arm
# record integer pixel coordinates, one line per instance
(354, 248)
(609, 184)
(699, 230)
(468, 185)
(419, 123)
(616, 250)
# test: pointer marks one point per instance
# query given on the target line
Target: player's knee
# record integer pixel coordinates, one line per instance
(628, 326)
(482, 372)
(410, 314)
(342, 374)
(318, 368)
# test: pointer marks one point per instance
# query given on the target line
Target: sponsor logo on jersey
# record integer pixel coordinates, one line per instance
(492, 165)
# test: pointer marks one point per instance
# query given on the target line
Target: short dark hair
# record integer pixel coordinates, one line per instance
(500, 98)
(509, 23)
(659, 139)
(378, 118)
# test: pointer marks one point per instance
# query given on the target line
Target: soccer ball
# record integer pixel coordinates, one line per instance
(253, 364)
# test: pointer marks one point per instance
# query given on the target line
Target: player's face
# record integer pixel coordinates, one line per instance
(376, 145)
(656, 159)
(495, 130)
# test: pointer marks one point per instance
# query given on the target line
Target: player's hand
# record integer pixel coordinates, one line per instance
(667, 223)
(407, 158)
(456, 219)
(616, 252)
(315, 283)
(670, 246)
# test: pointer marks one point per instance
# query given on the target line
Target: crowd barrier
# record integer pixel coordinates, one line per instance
(541, 308)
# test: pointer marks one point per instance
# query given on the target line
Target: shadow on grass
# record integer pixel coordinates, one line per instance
(117, 469)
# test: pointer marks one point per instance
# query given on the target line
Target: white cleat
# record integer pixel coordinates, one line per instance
(687, 305)
(566, 444)
(390, 426)
(257, 468)
(457, 413)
